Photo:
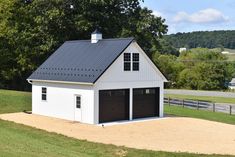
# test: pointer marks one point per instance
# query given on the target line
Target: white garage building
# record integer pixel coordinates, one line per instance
(98, 80)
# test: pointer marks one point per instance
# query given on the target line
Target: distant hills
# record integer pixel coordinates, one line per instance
(204, 39)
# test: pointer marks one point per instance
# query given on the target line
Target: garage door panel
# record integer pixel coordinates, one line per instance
(145, 102)
(113, 105)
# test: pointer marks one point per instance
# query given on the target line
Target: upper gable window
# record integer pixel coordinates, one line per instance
(127, 61)
(135, 62)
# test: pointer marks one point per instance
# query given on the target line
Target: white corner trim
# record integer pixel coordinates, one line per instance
(149, 60)
(63, 82)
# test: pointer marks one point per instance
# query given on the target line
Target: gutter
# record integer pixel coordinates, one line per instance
(64, 82)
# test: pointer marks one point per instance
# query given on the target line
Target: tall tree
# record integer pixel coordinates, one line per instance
(34, 29)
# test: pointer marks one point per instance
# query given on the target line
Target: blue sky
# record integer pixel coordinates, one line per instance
(194, 15)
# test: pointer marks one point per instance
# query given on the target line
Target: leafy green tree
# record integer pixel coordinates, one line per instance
(169, 66)
(167, 48)
(205, 69)
(188, 79)
(198, 68)
(33, 29)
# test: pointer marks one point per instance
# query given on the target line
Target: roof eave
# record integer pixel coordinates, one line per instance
(62, 82)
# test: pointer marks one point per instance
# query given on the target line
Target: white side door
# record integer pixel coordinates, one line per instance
(78, 108)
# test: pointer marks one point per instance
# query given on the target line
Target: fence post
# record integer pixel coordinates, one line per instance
(169, 101)
(198, 105)
(213, 107)
(183, 102)
(230, 109)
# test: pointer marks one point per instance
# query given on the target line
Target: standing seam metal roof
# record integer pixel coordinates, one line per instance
(81, 60)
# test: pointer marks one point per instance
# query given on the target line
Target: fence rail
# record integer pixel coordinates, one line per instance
(201, 105)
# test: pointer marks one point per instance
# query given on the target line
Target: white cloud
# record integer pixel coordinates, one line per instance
(203, 16)
(157, 13)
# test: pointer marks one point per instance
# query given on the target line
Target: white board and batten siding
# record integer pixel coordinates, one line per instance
(115, 77)
(60, 101)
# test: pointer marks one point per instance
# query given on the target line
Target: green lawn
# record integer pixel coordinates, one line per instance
(230, 50)
(22, 141)
(14, 101)
(231, 57)
(202, 98)
(207, 115)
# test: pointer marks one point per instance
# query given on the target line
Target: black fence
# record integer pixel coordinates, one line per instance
(202, 105)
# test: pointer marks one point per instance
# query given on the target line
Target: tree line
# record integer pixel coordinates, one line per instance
(197, 69)
(31, 30)
(204, 39)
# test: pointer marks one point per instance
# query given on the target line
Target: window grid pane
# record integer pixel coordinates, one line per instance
(135, 66)
(44, 93)
(78, 102)
(127, 57)
(44, 90)
(135, 56)
(135, 62)
(127, 66)
(44, 97)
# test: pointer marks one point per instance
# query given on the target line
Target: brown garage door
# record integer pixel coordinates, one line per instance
(113, 105)
(145, 102)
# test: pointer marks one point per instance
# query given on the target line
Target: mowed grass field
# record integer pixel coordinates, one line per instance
(14, 101)
(230, 50)
(202, 98)
(231, 55)
(201, 114)
(17, 140)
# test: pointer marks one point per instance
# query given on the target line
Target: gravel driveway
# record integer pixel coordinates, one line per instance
(166, 134)
(200, 93)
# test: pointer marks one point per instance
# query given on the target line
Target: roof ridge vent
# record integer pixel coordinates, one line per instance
(96, 36)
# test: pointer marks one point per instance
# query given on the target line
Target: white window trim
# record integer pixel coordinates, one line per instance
(78, 95)
(128, 62)
(135, 62)
(131, 62)
(44, 93)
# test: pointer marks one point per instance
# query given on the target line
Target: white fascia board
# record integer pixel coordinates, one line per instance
(150, 61)
(63, 82)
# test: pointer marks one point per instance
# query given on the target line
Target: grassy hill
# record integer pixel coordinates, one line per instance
(14, 101)
(231, 55)
(204, 39)
(230, 50)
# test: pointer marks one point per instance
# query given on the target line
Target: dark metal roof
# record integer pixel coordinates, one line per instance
(81, 60)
